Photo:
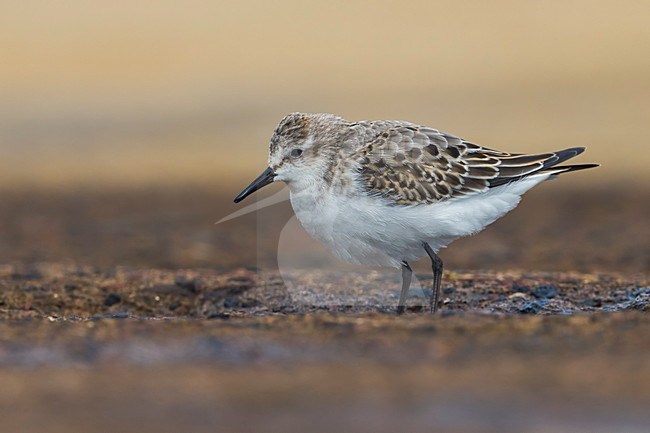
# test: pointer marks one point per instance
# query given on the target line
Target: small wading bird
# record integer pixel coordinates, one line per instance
(389, 192)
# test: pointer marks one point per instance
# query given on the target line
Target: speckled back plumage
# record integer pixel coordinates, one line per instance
(412, 164)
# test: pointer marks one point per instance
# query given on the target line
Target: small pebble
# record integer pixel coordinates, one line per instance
(530, 307)
(592, 302)
(231, 303)
(449, 290)
(112, 299)
(545, 292)
(189, 285)
(518, 288)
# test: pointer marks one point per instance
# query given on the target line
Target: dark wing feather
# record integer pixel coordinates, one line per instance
(411, 164)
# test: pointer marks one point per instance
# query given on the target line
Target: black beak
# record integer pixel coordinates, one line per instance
(261, 181)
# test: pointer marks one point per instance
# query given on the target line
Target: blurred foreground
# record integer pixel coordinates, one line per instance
(87, 350)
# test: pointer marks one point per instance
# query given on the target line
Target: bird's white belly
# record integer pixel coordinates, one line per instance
(365, 230)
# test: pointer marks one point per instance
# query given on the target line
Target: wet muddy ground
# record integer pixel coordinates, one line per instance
(110, 320)
(122, 349)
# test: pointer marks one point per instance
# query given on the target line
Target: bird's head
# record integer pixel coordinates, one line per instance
(300, 151)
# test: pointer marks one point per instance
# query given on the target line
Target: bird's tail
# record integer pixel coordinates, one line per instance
(551, 164)
(516, 167)
(559, 169)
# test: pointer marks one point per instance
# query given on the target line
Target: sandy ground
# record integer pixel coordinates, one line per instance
(133, 312)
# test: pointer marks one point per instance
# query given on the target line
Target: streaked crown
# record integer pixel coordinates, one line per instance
(294, 128)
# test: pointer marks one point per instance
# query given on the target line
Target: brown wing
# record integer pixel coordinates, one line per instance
(411, 164)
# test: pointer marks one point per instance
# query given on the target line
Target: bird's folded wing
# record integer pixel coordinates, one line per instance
(410, 164)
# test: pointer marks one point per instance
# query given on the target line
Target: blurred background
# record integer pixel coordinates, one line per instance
(126, 128)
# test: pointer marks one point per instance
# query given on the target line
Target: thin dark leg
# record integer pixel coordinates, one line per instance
(407, 272)
(436, 266)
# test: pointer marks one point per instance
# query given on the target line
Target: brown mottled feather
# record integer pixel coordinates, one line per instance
(411, 164)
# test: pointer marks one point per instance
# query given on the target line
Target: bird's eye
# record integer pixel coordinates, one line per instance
(295, 153)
